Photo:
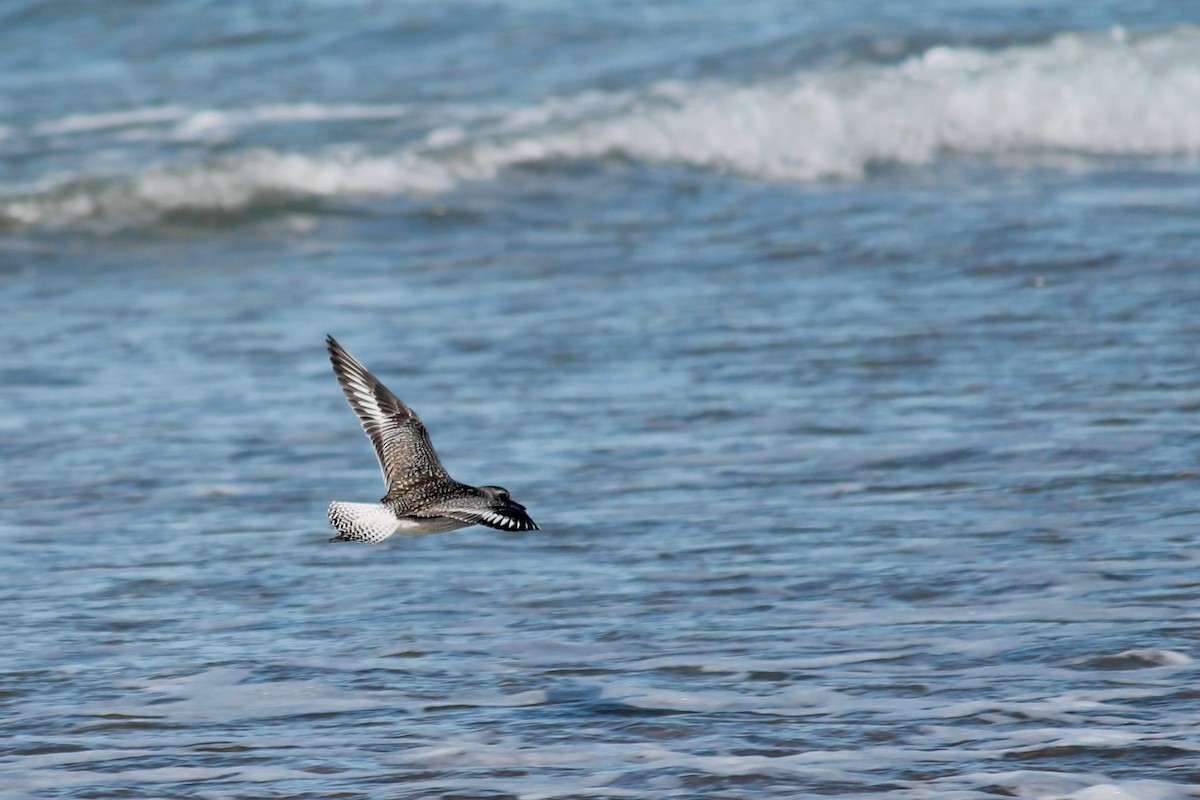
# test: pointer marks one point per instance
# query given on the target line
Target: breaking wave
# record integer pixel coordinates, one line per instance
(1092, 94)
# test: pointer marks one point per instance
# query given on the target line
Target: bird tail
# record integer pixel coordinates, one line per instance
(369, 523)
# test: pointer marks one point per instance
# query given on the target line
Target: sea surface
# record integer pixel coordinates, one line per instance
(847, 353)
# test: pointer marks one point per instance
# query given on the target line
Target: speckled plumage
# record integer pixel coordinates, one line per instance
(421, 496)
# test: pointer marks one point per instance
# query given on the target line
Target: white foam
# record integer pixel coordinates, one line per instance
(89, 123)
(1085, 93)
(183, 123)
(1082, 94)
(212, 122)
(228, 185)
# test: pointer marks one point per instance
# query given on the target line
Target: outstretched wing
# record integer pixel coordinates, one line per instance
(406, 456)
(504, 516)
(500, 520)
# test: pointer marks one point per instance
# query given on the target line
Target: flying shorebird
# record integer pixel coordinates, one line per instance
(421, 496)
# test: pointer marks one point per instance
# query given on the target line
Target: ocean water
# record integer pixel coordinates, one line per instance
(847, 355)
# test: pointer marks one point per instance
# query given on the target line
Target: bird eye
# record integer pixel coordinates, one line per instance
(503, 495)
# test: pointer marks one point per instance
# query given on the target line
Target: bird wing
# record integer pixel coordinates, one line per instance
(406, 456)
(504, 517)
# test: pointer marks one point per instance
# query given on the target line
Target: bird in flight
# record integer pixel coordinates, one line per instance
(421, 496)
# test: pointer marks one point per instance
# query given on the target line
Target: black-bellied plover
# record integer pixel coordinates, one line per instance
(421, 496)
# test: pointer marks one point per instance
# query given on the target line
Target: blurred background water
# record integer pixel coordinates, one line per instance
(846, 353)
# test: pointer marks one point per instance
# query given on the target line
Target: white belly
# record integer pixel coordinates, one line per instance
(419, 526)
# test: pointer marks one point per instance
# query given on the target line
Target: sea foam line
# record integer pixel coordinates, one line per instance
(1091, 94)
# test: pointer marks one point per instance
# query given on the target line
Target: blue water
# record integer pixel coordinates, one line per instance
(846, 355)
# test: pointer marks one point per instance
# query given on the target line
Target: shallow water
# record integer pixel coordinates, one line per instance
(861, 423)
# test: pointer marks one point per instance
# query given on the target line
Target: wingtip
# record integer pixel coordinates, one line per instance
(337, 353)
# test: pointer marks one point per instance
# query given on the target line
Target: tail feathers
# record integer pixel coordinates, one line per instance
(369, 523)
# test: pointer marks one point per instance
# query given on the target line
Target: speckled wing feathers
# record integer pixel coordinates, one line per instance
(421, 496)
(406, 456)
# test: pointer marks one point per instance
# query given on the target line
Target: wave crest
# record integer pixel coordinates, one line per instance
(1093, 94)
